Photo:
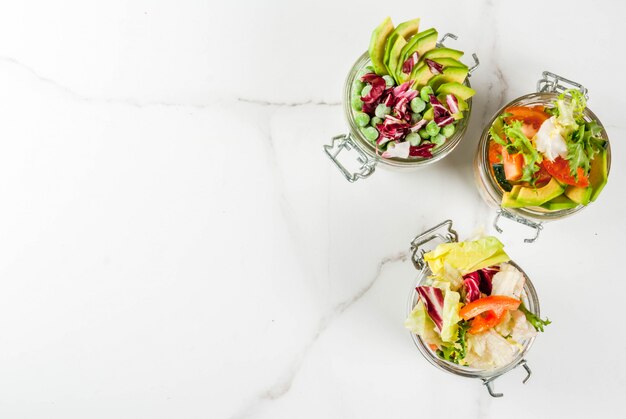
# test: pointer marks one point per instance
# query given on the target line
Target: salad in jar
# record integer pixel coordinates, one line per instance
(470, 310)
(548, 158)
(408, 102)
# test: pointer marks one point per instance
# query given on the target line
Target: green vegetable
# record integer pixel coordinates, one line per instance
(519, 143)
(357, 87)
(425, 93)
(416, 117)
(420, 323)
(357, 103)
(361, 118)
(423, 133)
(376, 120)
(417, 105)
(448, 130)
(583, 145)
(498, 171)
(365, 91)
(414, 139)
(370, 133)
(537, 323)
(382, 110)
(450, 315)
(438, 140)
(457, 351)
(389, 81)
(466, 256)
(432, 128)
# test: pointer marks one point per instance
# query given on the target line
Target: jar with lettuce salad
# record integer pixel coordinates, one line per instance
(544, 156)
(473, 312)
(407, 101)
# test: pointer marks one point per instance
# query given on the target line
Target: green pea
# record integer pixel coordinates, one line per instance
(357, 103)
(414, 138)
(376, 120)
(366, 90)
(416, 117)
(432, 128)
(382, 110)
(357, 87)
(448, 130)
(438, 140)
(425, 93)
(370, 133)
(389, 81)
(361, 118)
(423, 133)
(418, 105)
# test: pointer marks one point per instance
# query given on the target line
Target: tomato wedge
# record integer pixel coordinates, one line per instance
(495, 152)
(531, 117)
(559, 168)
(497, 303)
(486, 321)
(542, 176)
(513, 165)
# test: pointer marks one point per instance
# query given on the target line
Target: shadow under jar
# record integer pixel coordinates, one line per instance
(367, 156)
(444, 233)
(548, 89)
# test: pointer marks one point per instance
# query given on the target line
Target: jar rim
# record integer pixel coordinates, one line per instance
(531, 300)
(495, 191)
(370, 150)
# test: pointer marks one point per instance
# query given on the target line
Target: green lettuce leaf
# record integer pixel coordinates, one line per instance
(456, 352)
(537, 323)
(420, 323)
(466, 256)
(451, 318)
(519, 143)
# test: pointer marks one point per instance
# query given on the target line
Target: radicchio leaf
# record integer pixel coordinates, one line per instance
(396, 149)
(432, 297)
(438, 109)
(453, 103)
(434, 67)
(422, 150)
(486, 276)
(418, 125)
(378, 87)
(471, 281)
(408, 65)
(442, 121)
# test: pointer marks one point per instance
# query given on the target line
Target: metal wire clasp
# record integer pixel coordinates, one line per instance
(341, 142)
(551, 82)
(440, 44)
(488, 381)
(521, 220)
(442, 231)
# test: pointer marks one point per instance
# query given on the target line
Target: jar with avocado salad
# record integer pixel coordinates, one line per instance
(407, 101)
(472, 311)
(543, 156)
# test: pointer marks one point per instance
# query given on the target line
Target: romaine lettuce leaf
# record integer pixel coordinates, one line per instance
(466, 257)
(451, 318)
(509, 281)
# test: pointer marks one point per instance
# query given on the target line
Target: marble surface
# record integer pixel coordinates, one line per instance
(176, 245)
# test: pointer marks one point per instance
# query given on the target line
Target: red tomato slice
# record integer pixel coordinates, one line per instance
(542, 176)
(513, 165)
(531, 117)
(495, 152)
(559, 168)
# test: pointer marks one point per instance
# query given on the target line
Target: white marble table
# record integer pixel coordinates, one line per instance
(174, 243)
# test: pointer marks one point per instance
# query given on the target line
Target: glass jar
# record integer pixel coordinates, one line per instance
(444, 233)
(548, 89)
(367, 158)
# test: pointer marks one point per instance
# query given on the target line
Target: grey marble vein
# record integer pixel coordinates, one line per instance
(284, 383)
(288, 104)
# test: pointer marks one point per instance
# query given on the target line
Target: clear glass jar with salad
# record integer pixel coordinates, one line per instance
(407, 100)
(473, 311)
(543, 156)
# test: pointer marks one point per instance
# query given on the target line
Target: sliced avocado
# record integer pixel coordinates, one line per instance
(515, 191)
(420, 43)
(378, 41)
(509, 201)
(392, 52)
(449, 75)
(461, 91)
(420, 76)
(598, 174)
(443, 52)
(561, 202)
(537, 196)
(412, 46)
(579, 195)
(448, 62)
(429, 115)
(409, 28)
